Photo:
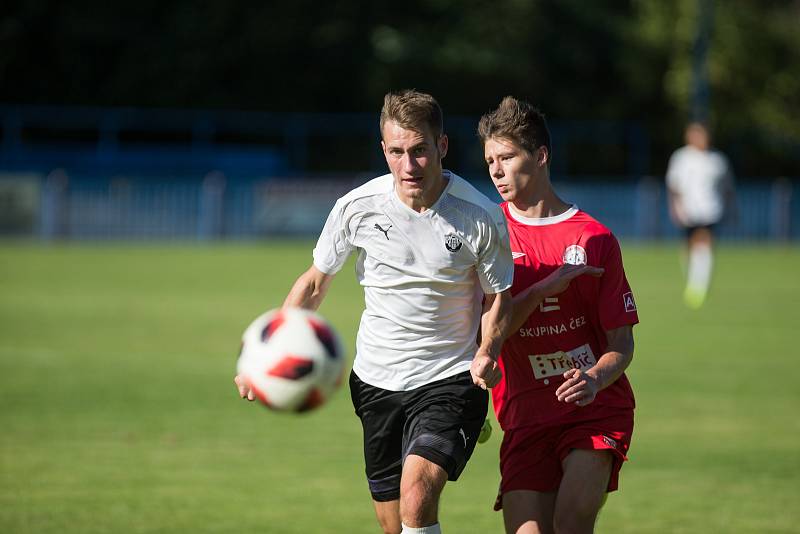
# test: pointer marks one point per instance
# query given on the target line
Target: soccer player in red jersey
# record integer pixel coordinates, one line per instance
(564, 403)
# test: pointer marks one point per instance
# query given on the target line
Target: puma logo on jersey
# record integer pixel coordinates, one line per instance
(385, 232)
(516, 255)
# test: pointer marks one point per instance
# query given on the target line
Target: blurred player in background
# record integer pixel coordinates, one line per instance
(564, 401)
(700, 188)
(430, 248)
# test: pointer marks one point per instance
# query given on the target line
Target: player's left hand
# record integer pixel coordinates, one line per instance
(485, 371)
(579, 388)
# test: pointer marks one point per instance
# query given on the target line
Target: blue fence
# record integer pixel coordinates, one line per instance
(200, 175)
(217, 207)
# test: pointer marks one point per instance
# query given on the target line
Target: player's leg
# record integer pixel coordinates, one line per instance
(530, 470)
(528, 512)
(420, 489)
(592, 449)
(444, 420)
(388, 514)
(382, 420)
(700, 266)
(583, 487)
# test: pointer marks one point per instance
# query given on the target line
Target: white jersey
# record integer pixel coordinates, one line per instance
(700, 178)
(423, 276)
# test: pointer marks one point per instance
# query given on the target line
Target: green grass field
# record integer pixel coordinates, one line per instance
(118, 412)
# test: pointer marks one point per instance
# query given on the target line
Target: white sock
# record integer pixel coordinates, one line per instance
(430, 529)
(700, 265)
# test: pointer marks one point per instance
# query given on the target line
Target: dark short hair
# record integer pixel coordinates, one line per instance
(517, 121)
(412, 110)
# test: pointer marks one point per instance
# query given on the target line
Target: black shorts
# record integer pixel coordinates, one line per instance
(439, 421)
(690, 230)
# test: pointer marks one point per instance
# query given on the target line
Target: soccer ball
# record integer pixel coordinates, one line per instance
(292, 359)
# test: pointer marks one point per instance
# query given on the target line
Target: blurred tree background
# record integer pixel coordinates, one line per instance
(578, 60)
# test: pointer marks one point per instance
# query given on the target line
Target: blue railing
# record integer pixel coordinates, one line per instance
(94, 173)
(219, 208)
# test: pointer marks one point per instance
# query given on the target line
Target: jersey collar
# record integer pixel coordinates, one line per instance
(541, 221)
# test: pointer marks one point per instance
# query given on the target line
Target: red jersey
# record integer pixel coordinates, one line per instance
(567, 330)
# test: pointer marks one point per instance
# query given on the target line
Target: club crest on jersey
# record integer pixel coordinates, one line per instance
(575, 255)
(452, 242)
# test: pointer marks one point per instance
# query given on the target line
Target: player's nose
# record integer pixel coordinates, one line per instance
(410, 163)
(495, 170)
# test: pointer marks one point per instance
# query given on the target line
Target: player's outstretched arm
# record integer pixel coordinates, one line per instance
(309, 290)
(494, 325)
(525, 302)
(581, 387)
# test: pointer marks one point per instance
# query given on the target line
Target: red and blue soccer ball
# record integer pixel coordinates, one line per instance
(292, 359)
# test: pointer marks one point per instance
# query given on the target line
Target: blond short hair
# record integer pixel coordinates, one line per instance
(413, 110)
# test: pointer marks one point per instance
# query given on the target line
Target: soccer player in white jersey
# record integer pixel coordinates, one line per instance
(434, 260)
(564, 402)
(700, 187)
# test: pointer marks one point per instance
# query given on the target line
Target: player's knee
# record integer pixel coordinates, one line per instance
(572, 524)
(419, 503)
(576, 518)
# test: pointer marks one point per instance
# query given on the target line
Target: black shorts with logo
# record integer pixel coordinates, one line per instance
(439, 421)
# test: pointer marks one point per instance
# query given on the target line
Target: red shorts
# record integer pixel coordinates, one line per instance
(531, 456)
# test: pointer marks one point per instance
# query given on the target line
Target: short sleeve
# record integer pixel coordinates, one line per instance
(495, 264)
(333, 246)
(616, 304)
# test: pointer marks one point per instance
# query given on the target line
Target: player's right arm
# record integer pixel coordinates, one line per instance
(307, 292)
(525, 302)
(309, 289)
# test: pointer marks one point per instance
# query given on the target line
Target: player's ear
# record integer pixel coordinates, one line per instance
(442, 143)
(543, 156)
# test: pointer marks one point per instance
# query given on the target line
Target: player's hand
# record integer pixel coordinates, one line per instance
(244, 390)
(485, 371)
(558, 281)
(579, 388)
